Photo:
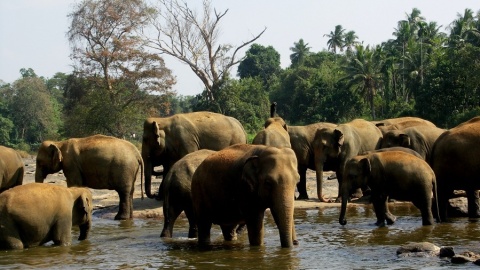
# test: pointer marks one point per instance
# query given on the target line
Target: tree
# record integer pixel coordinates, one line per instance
(109, 52)
(300, 51)
(336, 39)
(363, 73)
(350, 41)
(193, 39)
(260, 61)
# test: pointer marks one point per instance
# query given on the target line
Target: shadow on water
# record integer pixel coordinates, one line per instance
(324, 243)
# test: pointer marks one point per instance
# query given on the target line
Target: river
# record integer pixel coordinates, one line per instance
(324, 244)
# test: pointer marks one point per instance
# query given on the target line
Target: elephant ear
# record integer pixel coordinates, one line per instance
(338, 137)
(56, 156)
(404, 140)
(250, 171)
(159, 134)
(366, 166)
(81, 208)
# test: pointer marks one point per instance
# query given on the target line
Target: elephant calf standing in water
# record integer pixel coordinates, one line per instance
(11, 168)
(177, 192)
(34, 214)
(98, 162)
(237, 184)
(392, 174)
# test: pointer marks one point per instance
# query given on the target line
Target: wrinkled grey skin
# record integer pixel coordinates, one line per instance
(98, 162)
(11, 168)
(168, 139)
(237, 184)
(177, 192)
(34, 214)
(417, 138)
(390, 174)
(301, 140)
(336, 145)
(457, 166)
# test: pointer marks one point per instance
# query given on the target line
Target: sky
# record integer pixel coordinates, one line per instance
(33, 32)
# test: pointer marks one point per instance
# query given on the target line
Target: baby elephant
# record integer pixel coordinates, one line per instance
(34, 214)
(393, 174)
(177, 192)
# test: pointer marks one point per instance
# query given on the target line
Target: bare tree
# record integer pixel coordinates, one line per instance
(193, 39)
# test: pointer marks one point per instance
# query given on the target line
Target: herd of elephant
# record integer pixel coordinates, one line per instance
(215, 176)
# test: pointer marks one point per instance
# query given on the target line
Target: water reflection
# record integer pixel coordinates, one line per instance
(324, 243)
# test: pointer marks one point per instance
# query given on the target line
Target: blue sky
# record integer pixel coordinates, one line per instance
(33, 32)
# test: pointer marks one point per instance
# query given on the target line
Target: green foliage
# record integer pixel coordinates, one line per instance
(260, 61)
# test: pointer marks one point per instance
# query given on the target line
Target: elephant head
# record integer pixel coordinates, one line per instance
(271, 177)
(327, 146)
(49, 160)
(153, 150)
(356, 173)
(82, 210)
(395, 138)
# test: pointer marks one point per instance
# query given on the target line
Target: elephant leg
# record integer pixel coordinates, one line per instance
(302, 185)
(473, 203)
(389, 216)
(61, 232)
(255, 230)
(192, 223)
(125, 206)
(425, 207)
(170, 214)
(204, 228)
(11, 242)
(380, 207)
(228, 232)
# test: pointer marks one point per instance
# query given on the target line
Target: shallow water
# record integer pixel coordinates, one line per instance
(324, 243)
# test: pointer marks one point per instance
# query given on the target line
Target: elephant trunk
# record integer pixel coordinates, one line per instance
(148, 177)
(39, 177)
(282, 213)
(343, 209)
(84, 230)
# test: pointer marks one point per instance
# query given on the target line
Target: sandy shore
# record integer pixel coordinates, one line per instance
(106, 201)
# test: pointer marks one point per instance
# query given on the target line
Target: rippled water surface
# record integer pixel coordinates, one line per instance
(323, 244)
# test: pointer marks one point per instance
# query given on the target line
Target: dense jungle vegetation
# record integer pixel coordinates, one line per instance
(120, 78)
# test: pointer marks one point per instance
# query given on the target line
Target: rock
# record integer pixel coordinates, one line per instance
(447, 252)
(458, 207)
(465, 257)
(420, 249)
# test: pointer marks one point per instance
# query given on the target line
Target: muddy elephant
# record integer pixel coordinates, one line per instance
(275, 132)
(168, 139)
(336, 145)
(457, 166)
(390, 174)
(98, 162)
(177, 192)
(417, 138)
(401, 123)
(237, 184)
(11, 168)
(34, 214)
(301, 140)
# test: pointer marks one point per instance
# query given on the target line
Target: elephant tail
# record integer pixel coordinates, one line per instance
(140, 162)
(436, 199)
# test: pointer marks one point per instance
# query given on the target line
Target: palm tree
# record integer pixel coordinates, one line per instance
(364, 73)
(336, 39)
(300, 52)
(350, 40)
(463, 29)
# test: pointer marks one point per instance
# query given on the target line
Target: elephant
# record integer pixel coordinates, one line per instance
(11, 168)
(454, 160)
(275, 132)
(168, 139)
(419, 138)
(401, 123)
(98, 162)
(394, 148)
(237, 184)
(34, 214)
(390, 174)
(336, 145)
(301, 140)
(177, 192)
